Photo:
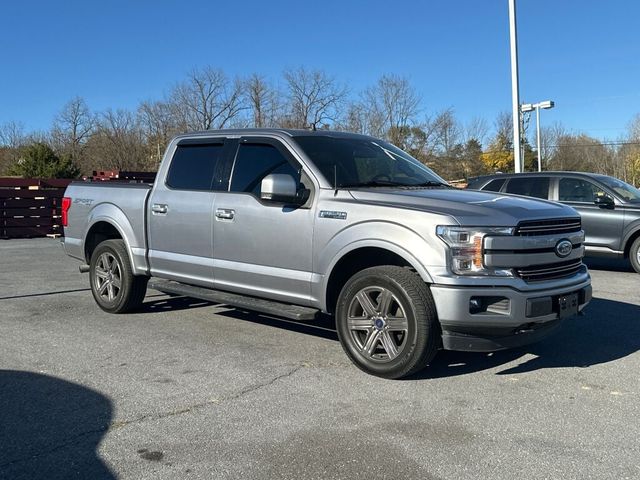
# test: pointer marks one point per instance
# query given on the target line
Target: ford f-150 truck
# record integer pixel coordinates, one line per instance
(295, 223)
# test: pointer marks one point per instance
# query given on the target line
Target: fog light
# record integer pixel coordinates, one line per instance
(475, 305)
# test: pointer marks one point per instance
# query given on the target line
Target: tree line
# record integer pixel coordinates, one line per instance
(81, 140)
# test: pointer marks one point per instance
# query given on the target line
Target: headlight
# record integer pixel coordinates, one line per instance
(466, 248)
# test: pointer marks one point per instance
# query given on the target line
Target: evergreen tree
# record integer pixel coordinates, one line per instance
(38, 160)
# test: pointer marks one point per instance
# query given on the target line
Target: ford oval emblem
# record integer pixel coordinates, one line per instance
(563, 248)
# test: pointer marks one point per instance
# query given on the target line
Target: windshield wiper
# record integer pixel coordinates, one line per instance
(429, 183)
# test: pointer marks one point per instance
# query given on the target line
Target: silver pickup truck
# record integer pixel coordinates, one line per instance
(294, 223)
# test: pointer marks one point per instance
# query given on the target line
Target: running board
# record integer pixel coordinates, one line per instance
(271, 307)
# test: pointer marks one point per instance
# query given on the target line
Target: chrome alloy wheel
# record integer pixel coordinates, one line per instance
(108, 277)
(377, 324)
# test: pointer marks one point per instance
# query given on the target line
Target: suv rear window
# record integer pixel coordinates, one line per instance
(193, 165)
(530, 186)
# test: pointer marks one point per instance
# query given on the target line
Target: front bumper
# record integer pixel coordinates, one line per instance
(484, 319)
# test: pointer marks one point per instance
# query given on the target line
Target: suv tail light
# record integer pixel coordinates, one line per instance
(66, 204)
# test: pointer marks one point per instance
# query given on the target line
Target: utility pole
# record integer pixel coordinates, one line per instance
(515, 87)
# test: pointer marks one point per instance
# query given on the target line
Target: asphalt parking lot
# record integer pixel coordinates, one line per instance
(187, 389)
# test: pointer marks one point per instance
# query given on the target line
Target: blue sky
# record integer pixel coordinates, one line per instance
(584, 55)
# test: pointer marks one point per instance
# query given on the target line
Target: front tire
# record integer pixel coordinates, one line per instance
(387, 322)
(113, 285)
(634, 255)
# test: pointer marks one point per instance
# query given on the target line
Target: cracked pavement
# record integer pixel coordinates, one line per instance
(187, 389)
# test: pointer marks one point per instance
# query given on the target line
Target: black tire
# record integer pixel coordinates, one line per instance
(113, 285)
(403, 313)
(634, 255)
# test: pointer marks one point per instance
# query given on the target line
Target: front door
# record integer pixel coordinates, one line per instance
(602, 226)
(262, 248)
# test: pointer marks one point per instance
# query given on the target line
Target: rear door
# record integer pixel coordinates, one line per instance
(262, 248)
(180, 213)
(529, 186)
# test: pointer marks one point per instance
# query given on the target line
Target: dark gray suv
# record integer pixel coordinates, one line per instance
(610, 208)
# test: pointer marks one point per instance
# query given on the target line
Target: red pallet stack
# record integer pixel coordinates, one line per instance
(31, 207)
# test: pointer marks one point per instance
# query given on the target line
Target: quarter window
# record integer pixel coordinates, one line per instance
(494, 185)
(193, 166)
(530, 186)
(254, 162)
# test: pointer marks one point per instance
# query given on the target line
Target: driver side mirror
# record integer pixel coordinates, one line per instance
(604, 201)
(280, 187)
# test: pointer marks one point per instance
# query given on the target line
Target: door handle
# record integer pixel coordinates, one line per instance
(225, 213)
(159, 208)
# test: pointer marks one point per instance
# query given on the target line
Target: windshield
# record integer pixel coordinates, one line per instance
(362, 162)
(624, 190)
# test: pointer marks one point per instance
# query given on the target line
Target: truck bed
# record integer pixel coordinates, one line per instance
(94, 202)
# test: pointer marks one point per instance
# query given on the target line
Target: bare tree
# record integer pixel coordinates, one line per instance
(12, 134)
(503, 126)
(476, 129)
(158, 124)
(72, 127)
(12, 137)
(447, 132)
(263, 101)
(315, 98)
(582, 153)
(549, 138)
(118, 143)
(628, 156)
(392, 104)
(206, 99)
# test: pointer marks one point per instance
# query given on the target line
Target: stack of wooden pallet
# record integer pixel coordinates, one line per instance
(31, 207)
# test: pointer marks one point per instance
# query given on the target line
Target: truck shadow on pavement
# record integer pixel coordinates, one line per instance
(608, 331)
(170, 303)
(609, 264)
(50, 428)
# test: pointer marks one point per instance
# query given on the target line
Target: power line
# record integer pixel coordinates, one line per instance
(599, 144)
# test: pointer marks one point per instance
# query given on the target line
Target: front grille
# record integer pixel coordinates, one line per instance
(558, 226)
(539, 273)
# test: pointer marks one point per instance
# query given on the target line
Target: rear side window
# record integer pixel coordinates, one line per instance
(253, 163)
(577, 190)
(494, 185)
(530, 186)
(192, 166)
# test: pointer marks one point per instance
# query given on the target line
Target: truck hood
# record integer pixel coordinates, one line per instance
(468, 207)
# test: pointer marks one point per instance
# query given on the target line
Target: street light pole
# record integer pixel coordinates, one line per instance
(529, 107)
(515, 87)
(538, 136)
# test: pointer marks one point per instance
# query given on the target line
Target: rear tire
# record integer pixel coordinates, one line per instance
(387, 322)
(634, 255)
(114, 286)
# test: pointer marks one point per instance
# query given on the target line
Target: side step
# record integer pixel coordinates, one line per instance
(271, 307)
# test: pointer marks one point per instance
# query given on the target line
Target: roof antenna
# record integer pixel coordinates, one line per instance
(335, 179)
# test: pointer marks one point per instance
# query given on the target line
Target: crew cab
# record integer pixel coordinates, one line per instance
(298, 223)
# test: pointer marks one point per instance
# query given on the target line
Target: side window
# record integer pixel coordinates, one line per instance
(530, 186)
(192, 166)
(494, 185)
(255, 161)
(578, 190)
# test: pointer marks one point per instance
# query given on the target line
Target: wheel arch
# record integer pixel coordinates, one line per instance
(357, 257)
(630, 238)
(102, 230)
(107, 221)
